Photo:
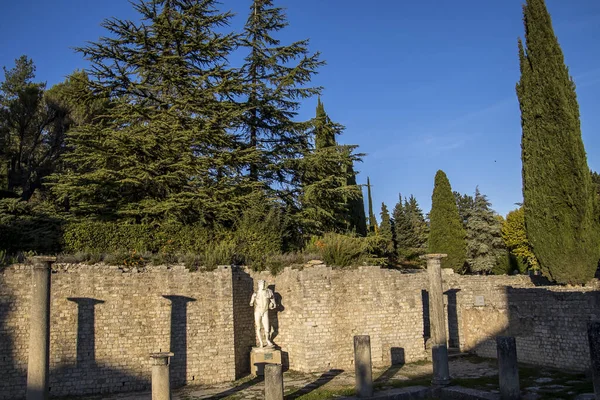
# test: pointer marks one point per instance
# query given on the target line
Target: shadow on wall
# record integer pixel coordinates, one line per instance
(243, 321)
(273, 314)
(77, 378)
(179, 339)
(452, 312)
(426, 320)
(550, 326)
(8, 367)
(86, 375)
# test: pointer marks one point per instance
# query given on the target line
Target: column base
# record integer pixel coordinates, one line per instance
(441, 372)
(260, 356)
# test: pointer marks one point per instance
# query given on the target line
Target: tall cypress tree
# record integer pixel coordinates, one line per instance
(559, 198)
(163, 150)
(276, 79)
(372, 221)
(447, 234)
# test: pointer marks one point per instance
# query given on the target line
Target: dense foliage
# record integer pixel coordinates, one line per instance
(485, 246)
(515, 238)
(559, 198)
(183, 142)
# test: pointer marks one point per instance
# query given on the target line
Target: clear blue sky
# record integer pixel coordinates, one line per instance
(420, 85)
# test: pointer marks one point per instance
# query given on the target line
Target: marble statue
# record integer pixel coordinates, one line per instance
(263, 300)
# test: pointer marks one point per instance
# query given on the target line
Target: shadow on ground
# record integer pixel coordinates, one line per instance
(319, 382)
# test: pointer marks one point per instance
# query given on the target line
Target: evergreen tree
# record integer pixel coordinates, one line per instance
(403, 230)
(372, 220)
(164, 150)
(596, 182)
(485, 246)
(386, 231)
(464, 202)
(356, 207)
(33, 124)
(275, 78)
(515, 238)
(418, 227)
(325, 175)
(447, 234)
(559, 198)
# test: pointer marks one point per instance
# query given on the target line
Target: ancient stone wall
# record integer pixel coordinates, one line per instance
(549, 322)
(105, 322)
(322, 309)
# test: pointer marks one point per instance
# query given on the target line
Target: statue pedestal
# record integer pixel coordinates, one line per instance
(259, 356)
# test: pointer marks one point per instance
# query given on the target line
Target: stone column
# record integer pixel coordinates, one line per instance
(439, 348)
(593, 331)
(362, 366)
(38, 364)
(508, 370)
(161, 388)
(273, 382)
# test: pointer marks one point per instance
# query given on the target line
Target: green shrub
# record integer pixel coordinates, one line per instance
(29, 227)
(340, 250)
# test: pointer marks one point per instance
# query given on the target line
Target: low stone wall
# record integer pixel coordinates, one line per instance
(105, 321)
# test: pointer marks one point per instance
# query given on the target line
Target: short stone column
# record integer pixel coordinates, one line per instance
(362, 366)
(273, 382)
(38, 364)
(161, 388)
(508, 370)
(593, 331)
(439, 346)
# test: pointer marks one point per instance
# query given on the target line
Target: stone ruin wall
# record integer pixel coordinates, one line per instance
(105, 322)
(548, 322)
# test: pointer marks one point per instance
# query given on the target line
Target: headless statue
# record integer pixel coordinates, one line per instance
(263, 301)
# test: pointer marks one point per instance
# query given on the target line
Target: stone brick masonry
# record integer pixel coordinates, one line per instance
(105, 322)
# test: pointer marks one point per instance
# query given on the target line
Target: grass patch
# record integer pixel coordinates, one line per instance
(322, 394)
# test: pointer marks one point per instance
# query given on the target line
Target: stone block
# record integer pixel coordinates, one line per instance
(260, 356)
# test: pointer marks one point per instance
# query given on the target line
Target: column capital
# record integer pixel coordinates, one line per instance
(433, 256)
(42, 261)
(161, 358)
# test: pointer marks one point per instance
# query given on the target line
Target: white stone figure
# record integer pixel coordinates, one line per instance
(263, 300)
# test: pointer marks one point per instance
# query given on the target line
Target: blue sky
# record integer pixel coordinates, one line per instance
(420, 85)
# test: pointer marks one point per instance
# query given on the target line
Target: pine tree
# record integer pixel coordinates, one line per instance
(164, 149)
(418, 227)
(559, 198)
(325, 174)
(446, 234)
(464, 202)
(275, 79)
(356, 207)
(33, 124)
(485, 246)
(373, 228)
(386, 231)
(403, 230)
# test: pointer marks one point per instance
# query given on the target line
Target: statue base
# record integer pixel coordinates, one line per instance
(259, 356)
